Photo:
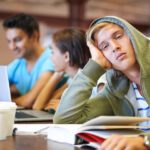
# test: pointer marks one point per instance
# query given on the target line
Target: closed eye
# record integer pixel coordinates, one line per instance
(118, 35)
(104, 46)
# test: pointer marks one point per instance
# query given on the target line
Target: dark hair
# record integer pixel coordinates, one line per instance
(22, 21)
(73, 41)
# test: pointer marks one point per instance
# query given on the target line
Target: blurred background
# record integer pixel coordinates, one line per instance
(56, 14)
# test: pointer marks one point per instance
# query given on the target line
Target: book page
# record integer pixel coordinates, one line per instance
(116, 120)
(63, 133)
(109, 127)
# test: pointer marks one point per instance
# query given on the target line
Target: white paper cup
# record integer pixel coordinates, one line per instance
(3, 124)
(7, 117)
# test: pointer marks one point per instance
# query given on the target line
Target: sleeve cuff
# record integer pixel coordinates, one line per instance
(93, 70)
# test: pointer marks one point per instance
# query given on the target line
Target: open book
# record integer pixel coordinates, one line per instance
(97, 129)
(92, 132)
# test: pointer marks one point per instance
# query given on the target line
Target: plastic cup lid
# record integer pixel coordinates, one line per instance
(7, 105)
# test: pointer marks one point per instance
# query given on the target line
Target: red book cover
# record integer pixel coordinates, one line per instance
(91, 138)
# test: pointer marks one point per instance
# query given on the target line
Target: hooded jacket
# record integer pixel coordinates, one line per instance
(76, 106)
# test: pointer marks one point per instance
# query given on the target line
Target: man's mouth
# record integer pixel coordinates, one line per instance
(120, 56)
(16, 52)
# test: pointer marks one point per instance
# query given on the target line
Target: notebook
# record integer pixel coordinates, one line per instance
(21, 113)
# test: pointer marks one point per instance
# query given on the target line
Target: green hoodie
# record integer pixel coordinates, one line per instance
(76, 106)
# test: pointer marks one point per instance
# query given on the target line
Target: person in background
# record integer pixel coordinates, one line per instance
(32, 68)
(69, 54)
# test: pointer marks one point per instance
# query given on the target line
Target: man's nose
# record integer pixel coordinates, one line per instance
(12, 46)
(115, 45)
(52, 58)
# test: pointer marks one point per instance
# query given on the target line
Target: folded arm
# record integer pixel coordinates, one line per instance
(28, 99)
(47, 91)
(75, 105)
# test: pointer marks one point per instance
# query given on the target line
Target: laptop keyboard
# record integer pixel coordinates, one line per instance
(23, 115)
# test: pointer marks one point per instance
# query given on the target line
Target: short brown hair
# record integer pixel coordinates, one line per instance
(73, 41)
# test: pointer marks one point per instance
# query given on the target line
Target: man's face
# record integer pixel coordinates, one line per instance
(116, 47)
(19, 42)
(59, 59)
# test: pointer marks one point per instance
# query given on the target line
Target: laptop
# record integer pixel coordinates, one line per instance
(22, 115)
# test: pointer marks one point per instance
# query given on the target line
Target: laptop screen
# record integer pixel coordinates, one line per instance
(21, 115)
(4, 85)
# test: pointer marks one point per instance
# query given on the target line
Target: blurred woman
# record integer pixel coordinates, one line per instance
(69, 54)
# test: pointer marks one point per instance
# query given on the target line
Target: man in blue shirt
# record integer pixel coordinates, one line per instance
(32, 67)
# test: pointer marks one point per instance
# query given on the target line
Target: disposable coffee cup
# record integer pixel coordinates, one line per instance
(7, 117)
(3, 124)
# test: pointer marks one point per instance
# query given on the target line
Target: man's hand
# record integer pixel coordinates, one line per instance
(98, 56)
(118, 142)
(14, 91)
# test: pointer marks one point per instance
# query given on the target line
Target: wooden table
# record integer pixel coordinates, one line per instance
(33, 142)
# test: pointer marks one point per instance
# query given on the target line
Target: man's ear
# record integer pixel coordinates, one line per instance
(36, 36)
(67, 57)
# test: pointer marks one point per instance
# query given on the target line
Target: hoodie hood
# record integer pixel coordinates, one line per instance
(140, 42)
(141, 45)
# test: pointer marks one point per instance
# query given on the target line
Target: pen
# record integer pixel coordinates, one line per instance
(14, 131)
(40, 130)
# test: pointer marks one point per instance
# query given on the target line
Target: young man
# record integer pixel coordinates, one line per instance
(121, 51)
(32, 67)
